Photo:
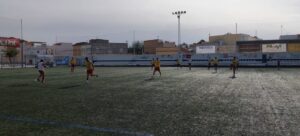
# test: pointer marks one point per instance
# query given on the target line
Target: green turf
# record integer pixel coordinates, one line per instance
(181, 102)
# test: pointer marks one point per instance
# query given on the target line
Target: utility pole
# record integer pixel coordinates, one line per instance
(22, 48)
(133, 42)
(281, 29)
(236, 36)
(178, 14)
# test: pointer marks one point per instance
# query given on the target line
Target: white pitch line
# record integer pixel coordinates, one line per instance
(70, 125)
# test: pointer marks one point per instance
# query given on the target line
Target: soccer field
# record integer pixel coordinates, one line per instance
(125, 101)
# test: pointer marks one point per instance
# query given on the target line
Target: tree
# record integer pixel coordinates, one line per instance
(201, 41)
(136, 48)
(11, 53)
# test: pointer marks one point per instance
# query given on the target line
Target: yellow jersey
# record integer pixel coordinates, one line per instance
(157, 63)
(73, 62)
(215, 61)
(89, 65)
(234, 62)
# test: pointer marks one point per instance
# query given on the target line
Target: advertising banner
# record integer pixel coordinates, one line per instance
(11, 42)
(276, 47)
(205, 49)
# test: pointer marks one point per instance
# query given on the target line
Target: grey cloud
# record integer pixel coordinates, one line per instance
(75, 20)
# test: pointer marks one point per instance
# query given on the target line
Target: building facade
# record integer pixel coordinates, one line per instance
(160, 47)
(167, 50)
(227, 43)
(118, 48)
(78, 49)
(101, 46)
(86, 50)
(290, 37)
(63, 49)
(32, 51)
(269, 46)
(151, 45)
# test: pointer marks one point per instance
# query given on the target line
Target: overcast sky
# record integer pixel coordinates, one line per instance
(117, 20)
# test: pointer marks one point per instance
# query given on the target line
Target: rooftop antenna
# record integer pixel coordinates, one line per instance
(281, 29)
(236, 28)
(256, 33)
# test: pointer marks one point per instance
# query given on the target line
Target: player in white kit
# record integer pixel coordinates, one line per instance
(41, 68)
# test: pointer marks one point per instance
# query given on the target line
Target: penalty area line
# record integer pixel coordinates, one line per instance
(72, 126)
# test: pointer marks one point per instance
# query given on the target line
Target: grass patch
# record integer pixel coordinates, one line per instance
(180, 102)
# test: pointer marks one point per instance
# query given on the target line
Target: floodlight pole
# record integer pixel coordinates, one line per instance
(179, 33)
(178, 14)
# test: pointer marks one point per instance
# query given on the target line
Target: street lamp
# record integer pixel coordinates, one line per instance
(178, 14)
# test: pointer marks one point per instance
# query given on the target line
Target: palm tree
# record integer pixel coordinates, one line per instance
(11, 53)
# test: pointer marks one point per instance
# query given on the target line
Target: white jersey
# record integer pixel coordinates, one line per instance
(41, 66)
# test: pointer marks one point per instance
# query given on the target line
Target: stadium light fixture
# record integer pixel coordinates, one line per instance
(178, 14)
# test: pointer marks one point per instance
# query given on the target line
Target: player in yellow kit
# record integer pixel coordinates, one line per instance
(216, 63)
(152, 64)
(178, 64)
(156, 67)
(73, 64)
(234, 66)
(89, 69)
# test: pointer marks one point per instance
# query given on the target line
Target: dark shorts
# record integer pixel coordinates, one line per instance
(178, 65)
(190, 64)
(41, 72)
(73, 65)
(89, 71)
(152, 65)
(157, 69)
(234, 68)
